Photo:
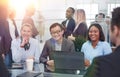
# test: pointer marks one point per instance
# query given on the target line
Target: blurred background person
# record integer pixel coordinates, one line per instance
(12, 24)
(108, 20)
(80, 32)
(25, 46)
(96, 44)
(40, 25)
(30, 10)
(69, 23)
(101, 20)
(4, 38)
(5, 35)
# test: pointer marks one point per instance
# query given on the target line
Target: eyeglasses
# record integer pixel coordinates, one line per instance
(56, 32)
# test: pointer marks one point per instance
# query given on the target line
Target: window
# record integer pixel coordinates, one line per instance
(91, 10)
(111, 7)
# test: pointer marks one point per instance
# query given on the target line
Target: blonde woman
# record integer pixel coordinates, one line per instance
(80, 30)
(25, 46)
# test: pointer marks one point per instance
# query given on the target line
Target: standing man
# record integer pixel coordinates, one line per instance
(108, 66)
(69, 23)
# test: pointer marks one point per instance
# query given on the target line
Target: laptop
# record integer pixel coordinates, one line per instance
(69, 60)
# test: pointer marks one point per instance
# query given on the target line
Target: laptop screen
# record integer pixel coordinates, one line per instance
(69, 60)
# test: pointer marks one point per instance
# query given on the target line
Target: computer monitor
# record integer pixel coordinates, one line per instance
(68, 60)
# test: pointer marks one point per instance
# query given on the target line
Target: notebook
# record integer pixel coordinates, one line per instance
(29, 74)
(69, 60)
(17, 66)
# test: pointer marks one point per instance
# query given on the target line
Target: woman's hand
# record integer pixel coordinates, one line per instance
(87, 63)
(24, 41)
(71, 37)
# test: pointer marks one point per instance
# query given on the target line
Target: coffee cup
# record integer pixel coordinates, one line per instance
(29, 64)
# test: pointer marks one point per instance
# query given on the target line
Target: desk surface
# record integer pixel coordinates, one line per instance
(15, 72)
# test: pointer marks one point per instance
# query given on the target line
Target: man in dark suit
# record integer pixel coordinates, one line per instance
(69, 23)
(56, 43)
(108, 66)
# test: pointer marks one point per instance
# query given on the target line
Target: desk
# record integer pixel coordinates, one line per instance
(15, 72)
(45, 74)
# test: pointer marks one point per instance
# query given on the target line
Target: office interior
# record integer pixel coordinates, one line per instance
(50, 11)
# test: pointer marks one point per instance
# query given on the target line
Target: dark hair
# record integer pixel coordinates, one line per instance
(102, 37)
(115, 20)
(56, 24)
(96, 15)
(102, 14)
(73, 10)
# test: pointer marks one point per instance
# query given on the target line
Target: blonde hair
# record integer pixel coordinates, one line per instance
(82, 16)
(27, 25)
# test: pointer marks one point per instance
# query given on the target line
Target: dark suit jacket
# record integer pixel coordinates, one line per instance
(3, 70)
(49, 47)
(16, 31)
(81, 30)
(5, 36)
(70, 27)
(105, 66)
(29, 20)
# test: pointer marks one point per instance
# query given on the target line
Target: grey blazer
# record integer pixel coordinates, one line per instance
(49, 46)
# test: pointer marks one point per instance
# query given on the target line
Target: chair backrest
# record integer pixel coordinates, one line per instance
(69, 60)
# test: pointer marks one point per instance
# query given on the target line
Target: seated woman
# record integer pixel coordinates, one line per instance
(25, 46)
(96, 45)
(80, 32)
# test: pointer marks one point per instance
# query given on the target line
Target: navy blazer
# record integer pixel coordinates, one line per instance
(70, 27)
(105, 66)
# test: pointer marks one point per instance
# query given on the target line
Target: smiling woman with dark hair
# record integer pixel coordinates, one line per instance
(96, 45)
(108, 66)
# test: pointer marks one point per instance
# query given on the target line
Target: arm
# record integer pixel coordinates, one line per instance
(86, 61)
(72, 47)
(107, 48)
(92, 69)
(37, 51)
(16, 54)
(44, 54)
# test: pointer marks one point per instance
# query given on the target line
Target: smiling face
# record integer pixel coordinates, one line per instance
(26, 32)
(57, 33)
(94, 34)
